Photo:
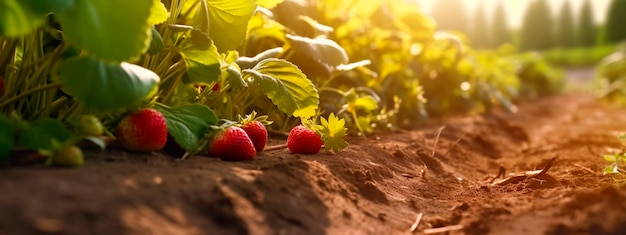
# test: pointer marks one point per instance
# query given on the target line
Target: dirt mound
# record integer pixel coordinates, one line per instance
(378, 185)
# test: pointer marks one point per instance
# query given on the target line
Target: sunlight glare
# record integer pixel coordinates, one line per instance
(465, 86)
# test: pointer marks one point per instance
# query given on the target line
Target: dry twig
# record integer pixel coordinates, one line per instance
(187, 154)
(585, 168)
(275, 147)
(519, 177)
(443, 229)
(417, 222)
(501, 173)
(438, 134)
(453, 145)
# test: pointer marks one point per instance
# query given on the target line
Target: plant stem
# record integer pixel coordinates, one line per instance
(332, 89)
(358, 124)
(8, 50)
(275, 147)
(30, 92)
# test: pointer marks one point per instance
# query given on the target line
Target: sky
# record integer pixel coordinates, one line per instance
(515, 8)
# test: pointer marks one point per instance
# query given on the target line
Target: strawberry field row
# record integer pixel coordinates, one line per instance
(185, 73)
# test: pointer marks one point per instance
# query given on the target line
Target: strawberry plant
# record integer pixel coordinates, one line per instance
(63, 58)
(616, 161)
(537, 77)
(409, 68)
(611, 76)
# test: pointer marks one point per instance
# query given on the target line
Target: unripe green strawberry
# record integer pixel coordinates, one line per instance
(232, 144)
(68, 156)
(257, 133)
(88, 125)
(303, 140)
(144, 130)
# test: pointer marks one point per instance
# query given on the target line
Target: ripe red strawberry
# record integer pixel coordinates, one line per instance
(257, 133)
(232, 144)
(144, 130)
(255, 128)
(303, 140)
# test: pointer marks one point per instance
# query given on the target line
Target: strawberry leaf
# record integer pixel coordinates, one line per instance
(228, 21)
(202, 59)
(187, 123)
(18, 17)
(110, 86)
(288, 88)
(268, 3)
(44, 134)
(158, 12)
(114, 30)
(333, 133)
(322, 50)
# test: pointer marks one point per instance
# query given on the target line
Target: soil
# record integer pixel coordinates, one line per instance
(378, 185)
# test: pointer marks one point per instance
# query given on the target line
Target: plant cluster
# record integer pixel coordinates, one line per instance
(616, 161)
(610, 79)
(178, 75)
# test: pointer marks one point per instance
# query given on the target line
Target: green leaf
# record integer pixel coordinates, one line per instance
(202, 60)
(261, 26)
(156, 42)
(234, 77)
(229, 21)
(44, 134)
(114, 30)
(366, 103)
(269, 4)
(322, 50)
(7, 138)
(19, 17)
(333, 133)
(104, 86)
(288, 88)
(612, 169)
(188, 123)
(158, 13)
(610, 158)
(202, 20)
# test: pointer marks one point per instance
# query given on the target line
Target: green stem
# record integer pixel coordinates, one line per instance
(332, 89)
(174, 71)
(332, 77)
(171, 87)
(8, 50)
(68, 112)
(163, 65)
(358, 124)
(29, 92)
(54, 106)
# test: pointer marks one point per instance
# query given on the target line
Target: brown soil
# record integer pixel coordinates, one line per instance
(378, 185)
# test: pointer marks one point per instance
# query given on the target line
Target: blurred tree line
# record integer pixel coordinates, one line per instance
(541, 29)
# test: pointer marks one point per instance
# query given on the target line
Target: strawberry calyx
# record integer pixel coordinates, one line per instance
(252, 117)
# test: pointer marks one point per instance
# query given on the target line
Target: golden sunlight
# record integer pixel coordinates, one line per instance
(515, 8)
